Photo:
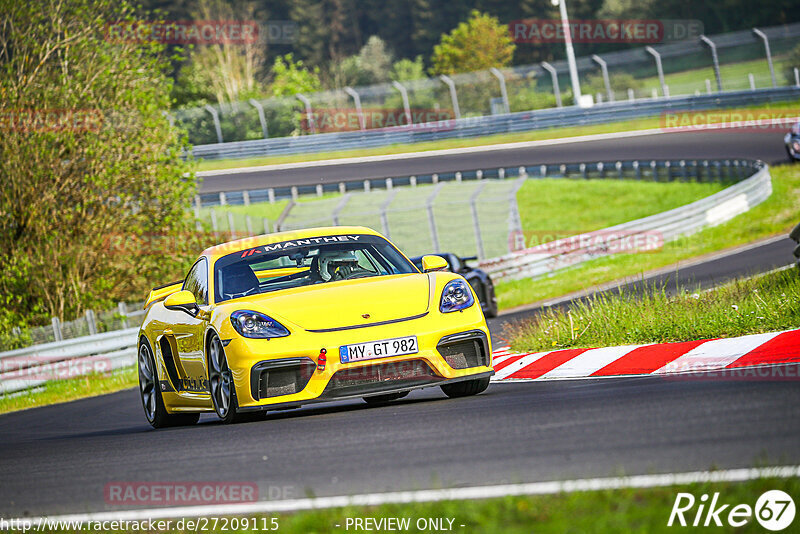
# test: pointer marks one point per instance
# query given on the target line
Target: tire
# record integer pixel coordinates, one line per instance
(223, 391)
(150, 392)
(491, 301)
(465, 388)
(383, 399)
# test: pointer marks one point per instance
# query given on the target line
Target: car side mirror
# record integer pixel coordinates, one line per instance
(182, 301)
(433, 263)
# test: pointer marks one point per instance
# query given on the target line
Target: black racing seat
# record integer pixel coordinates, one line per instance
(238, 280)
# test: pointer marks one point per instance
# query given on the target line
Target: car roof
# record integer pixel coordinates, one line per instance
(256, 241)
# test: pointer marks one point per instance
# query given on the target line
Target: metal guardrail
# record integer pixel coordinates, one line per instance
(99, 353)
(490, 125)
(685, 220)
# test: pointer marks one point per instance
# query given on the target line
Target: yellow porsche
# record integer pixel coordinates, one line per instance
(282, 320)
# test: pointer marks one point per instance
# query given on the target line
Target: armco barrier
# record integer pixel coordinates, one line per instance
(710, 211)
(29, 367)
(489, 125)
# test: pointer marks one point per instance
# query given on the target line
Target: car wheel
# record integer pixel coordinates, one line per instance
(491, 301)
(220, 379)
(150, 393)
(383, 399)
(465, 388)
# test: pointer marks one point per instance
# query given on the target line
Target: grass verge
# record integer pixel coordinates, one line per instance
(765, 303)
(775, 216)
(622, 510)
(537, 135)
(71, 389)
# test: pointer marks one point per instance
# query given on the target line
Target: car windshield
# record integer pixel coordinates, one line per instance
(304, 262)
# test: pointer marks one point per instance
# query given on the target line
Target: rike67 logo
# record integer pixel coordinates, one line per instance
(774, 510)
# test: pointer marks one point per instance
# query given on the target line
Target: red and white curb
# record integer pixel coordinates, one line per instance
(773, 348)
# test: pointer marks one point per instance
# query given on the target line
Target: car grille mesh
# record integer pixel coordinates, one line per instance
(284, 380)
(464, 354)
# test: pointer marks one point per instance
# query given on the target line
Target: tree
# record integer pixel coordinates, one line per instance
(290, 77)
(228, 70)
(477, 44)
(407, 70)
(91, 169)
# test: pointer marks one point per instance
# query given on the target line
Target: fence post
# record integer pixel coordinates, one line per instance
(431, 218)
(473, 204)
(554, 77)
(261, 118)
(763, 37)
(653, 52)
(604, 68)
(357, 100)
(715, 58)
(309, 111)
(514, 219)
(338, 209)
(197, 205)
(123, 312)
(246, 197)
(503, 92)
(752, 81)
(413, 181)
(214, 226)
(91, 322)
(294, 193)
(453, 96)
(57, 336)
(319, 190)
(636, 170)
(406, 106)
(267, 229)
(249, 222)
(271, 195)
(223, 198)
(215, 116)
(384, 208)
(231, 224)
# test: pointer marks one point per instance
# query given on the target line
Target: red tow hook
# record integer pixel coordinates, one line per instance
(322, 360)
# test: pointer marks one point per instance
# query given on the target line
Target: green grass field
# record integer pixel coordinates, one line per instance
(767, 303)
(775, 216)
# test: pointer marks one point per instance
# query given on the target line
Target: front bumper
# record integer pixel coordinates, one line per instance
(283, 373)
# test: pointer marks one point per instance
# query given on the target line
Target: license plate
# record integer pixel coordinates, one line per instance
(378, 349)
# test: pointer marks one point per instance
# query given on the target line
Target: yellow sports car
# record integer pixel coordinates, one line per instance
(281, 320)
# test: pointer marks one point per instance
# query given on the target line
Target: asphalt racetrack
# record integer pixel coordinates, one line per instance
(58, 459)
(726, 143)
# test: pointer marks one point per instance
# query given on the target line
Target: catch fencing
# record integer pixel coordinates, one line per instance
(514, 99)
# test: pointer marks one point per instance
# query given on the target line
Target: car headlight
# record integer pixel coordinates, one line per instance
(257, 325)
(456, 296)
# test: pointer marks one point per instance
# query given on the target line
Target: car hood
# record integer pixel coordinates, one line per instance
(347, 303)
